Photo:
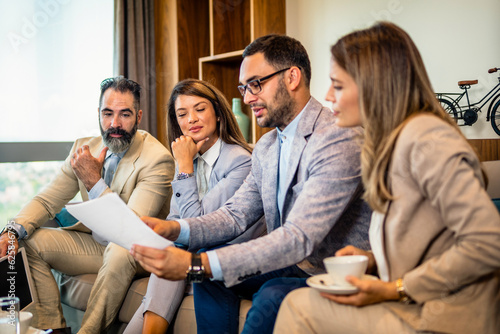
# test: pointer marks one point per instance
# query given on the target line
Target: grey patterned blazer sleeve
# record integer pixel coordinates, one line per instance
(319, 202)
(237, 215)
(324, 172)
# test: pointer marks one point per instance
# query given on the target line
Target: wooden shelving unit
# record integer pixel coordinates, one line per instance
(233, 25)
(205, 39)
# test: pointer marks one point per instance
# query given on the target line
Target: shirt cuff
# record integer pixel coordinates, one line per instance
(97, 189)
(20, 230)
(215, 267)
(183, 237)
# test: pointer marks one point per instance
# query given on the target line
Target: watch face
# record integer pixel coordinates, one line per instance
(196, 271)
(196, 276)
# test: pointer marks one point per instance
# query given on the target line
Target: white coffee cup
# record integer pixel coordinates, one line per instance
(338, 267)
(25, 321)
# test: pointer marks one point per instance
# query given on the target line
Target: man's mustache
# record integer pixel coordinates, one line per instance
(115, 131)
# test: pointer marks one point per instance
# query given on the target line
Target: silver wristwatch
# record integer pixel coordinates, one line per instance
(196, 271)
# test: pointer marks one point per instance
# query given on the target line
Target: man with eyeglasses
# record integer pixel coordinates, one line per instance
(124, 160)
(305, 181)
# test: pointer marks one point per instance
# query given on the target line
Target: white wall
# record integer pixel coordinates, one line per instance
(458, 39)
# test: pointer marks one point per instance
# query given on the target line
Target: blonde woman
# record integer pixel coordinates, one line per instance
(435, 233)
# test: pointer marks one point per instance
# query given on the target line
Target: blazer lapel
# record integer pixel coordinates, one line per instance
(269, 171)
(96, 149)
(304, 130)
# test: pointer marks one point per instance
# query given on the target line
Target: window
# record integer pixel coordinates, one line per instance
(54, 55)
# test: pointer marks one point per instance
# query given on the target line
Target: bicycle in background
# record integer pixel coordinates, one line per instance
(467, 114)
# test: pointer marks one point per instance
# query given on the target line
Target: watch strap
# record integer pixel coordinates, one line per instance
(9, 229)
(196, 271)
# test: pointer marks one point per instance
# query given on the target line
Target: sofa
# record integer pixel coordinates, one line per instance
(75, 291)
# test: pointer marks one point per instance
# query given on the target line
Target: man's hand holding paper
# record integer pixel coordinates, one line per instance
(169, 229)
(170, 263)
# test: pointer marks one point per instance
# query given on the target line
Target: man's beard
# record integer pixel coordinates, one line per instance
(117, 145)
(280, 114)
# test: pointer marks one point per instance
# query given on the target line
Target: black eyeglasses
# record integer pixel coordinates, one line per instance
(254, 86)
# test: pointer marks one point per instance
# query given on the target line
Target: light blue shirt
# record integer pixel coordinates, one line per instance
(288, 135)
(285, 141)
(203, 174)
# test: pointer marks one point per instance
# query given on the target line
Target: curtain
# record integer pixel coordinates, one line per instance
(134, 53)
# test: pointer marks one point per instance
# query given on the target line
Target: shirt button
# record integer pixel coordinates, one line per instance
(177, 195)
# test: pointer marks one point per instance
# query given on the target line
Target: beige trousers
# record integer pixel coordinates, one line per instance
(305, 311)
(76, 253)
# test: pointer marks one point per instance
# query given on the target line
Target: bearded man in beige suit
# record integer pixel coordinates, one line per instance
(124, 160)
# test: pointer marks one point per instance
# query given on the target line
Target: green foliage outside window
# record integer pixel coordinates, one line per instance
(20, 182)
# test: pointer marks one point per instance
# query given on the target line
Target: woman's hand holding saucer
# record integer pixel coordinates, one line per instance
(370, 292)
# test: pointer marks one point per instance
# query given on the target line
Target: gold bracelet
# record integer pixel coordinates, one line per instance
(403, 297)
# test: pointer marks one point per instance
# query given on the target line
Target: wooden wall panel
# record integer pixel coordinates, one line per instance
(270, 17)
(231, 25)
(224, 75)
(488, 149)
(193, 27)
(166, 59)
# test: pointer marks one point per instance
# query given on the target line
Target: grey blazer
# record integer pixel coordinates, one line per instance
(228, 173)
(230, 169)
(319, 214)
(442, 232)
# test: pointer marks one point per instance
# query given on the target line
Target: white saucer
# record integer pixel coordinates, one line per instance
(324, 283)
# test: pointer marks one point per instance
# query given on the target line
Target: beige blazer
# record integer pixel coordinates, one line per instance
(442, 232)
(142, 180)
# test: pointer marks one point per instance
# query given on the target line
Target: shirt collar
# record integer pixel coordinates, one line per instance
(120, 155)
(211, 155)
(291, 128)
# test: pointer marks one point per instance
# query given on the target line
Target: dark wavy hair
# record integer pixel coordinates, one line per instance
(122, 85)
(227, 127)
(281, 51)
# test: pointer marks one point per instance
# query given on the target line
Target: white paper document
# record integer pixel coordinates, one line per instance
(110, 218)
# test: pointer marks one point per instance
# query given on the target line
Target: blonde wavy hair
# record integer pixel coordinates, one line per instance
(393, 87)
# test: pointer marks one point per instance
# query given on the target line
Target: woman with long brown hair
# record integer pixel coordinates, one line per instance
(212, 160)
